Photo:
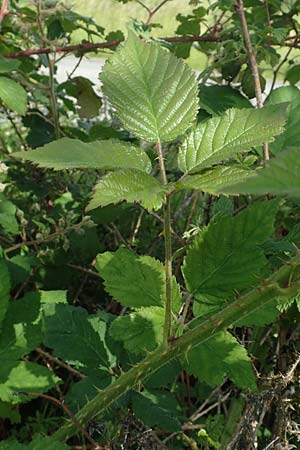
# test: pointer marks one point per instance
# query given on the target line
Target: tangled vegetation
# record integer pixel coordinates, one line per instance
(149, 229)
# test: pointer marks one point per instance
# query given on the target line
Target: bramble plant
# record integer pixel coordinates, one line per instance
(181, 318)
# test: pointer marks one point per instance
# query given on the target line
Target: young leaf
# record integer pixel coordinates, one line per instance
(130, 185)
(223, 137)
(280, 177)
(153, 92)
(225, 257)
(140, 331)
(216, 180)
(135, 281)
(76, 337)
(13, 95)
(69, 153)
(220, 356)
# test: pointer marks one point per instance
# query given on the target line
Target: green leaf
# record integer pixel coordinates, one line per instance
(222, 138)
(293, 74)
(135, 281)
(280, 177)
(13, 95)
(38, 443)
(215, 181)
(76, 337)
(153, 92)
(21, 330)
(218, 357)
(88, 101)
(140, 331)
(156, 408)
(8, 219)
(130, 185)
(291, 136)
(216, 99)
(69, 153)
(86, 389)
(5, 289)
(225, 257)
(23, 376)
(8, 65)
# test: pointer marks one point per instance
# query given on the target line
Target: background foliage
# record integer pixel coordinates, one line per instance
(82, 274)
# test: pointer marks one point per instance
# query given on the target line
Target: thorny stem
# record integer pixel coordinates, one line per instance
(273, 288)
(168, 248)
(253, 66)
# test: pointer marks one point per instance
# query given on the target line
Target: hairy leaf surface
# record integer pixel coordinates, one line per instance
(225, 257)
(130, 185)
(222, 138)
(153, 92)
(38, 443)
(69, 153)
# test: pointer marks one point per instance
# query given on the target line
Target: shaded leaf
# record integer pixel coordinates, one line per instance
(216, 99)
(156, 408)
(76, 337)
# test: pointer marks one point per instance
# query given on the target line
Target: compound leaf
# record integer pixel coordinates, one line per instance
(69, 153)
(153, 92)
(223, 137)
(130, 185)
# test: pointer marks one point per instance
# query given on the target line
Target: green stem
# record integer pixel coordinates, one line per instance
(273, 288)
(168, 249)
(168, 270)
